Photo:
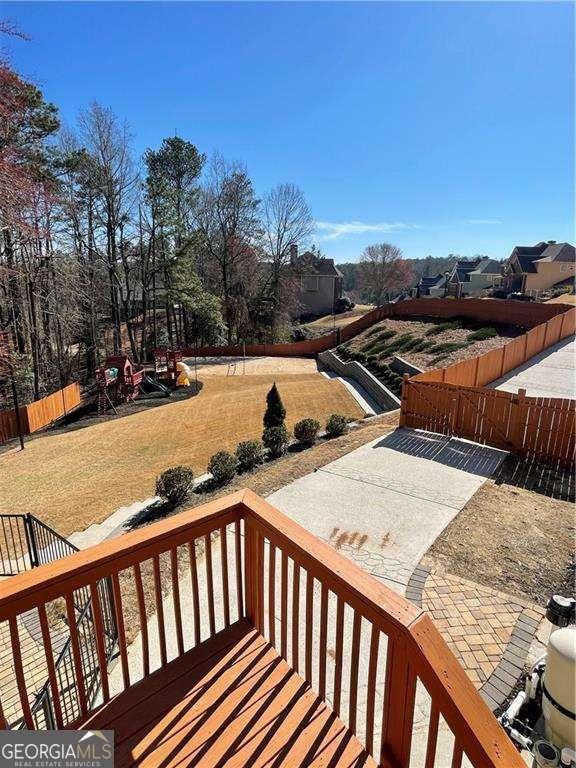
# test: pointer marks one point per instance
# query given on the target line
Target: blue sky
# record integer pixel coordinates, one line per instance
(440, 127)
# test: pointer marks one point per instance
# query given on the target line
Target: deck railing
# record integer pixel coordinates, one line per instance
(376, 659)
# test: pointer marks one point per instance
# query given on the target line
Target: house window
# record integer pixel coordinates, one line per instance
(310, 283)
(567, 267)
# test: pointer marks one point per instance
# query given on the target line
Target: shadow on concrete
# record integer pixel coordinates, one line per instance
(555, 482)
(476, 459)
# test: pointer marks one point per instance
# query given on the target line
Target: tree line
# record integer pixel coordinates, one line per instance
(103, 252)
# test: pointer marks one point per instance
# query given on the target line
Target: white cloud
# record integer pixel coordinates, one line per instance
(333, 230)
(482, 221)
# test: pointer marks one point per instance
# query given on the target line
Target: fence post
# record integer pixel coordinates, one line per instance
(517, 425)
(404, 400)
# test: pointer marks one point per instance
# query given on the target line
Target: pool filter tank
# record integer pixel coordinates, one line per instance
(559, 688)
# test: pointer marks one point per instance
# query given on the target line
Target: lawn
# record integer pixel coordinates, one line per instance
(71, 480)
(326, 323)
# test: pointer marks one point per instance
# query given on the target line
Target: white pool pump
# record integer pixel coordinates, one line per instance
(559, 688)
(542, 717)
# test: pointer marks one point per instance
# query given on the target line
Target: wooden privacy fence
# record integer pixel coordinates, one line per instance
(40, 413)
(455, 400)
(487, 310)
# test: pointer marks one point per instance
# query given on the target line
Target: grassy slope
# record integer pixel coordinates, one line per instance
(74, 479)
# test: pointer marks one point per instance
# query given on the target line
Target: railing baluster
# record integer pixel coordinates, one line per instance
(339, 644)
(159, 609)
(284, 607)
(209, 582)
(457, 754)
(309, 623)
(99, 638)
(238, 557)
(272, 594)
(432, 737)
(295, 617)
(195, 593)
(143, 620)
(371, 690)
(224, 564)
(120, 629)
(49, 654)
(176, 600)
(19, 672)
(76, 654)
(354, 662)
(323, 641)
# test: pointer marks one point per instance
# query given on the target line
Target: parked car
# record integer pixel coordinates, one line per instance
(520, 296)
(343, 305)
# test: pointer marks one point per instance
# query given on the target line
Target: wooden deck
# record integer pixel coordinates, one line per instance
(233, 701)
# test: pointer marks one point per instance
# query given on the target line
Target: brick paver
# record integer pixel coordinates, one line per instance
(476, 622)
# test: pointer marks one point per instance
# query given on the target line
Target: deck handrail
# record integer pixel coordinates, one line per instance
(417, 658)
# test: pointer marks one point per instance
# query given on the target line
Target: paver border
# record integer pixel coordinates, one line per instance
(502, 681)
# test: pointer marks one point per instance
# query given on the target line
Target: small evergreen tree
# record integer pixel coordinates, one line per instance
(275, 411)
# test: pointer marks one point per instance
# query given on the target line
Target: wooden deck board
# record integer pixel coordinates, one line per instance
(231, 702)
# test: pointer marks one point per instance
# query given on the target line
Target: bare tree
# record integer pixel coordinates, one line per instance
(227, 219)
(381, 270)
(287, 221)
(114, 184)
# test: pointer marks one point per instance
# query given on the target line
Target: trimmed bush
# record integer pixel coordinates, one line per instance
(305, 431)
(440, 327)
(275, 411)
(175, 484)
(483, 333)
(222, 466)
(276, 440)
(249, 454)
(336, 425)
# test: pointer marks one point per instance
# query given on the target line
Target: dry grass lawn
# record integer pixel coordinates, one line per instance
(326, 323)
(252, 366)
(71, 480)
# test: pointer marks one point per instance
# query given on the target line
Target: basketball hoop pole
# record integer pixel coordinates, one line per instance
(16, 407)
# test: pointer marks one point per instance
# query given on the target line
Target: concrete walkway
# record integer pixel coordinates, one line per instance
(385, 503)
(552, 373)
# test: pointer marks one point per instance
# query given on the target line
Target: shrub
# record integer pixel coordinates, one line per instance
(305, 431)
(387, 334)
(175, 484)
(482, 333)
(222, 466)
(275, 411)
(276, 440)
(439, 327)
(249, 454)
(336, 425)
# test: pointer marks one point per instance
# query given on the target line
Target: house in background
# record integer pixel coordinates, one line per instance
(535, 268)
(320, 282)
(474, 276)
(431, 285)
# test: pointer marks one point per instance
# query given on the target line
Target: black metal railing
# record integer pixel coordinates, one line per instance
(25, 543)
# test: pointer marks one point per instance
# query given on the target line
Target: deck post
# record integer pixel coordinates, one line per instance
(254, 574)
(399, 700)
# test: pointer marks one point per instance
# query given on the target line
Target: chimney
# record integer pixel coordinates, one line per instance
(293, 253)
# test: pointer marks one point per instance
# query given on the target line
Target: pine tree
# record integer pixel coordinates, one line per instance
(275, 411)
